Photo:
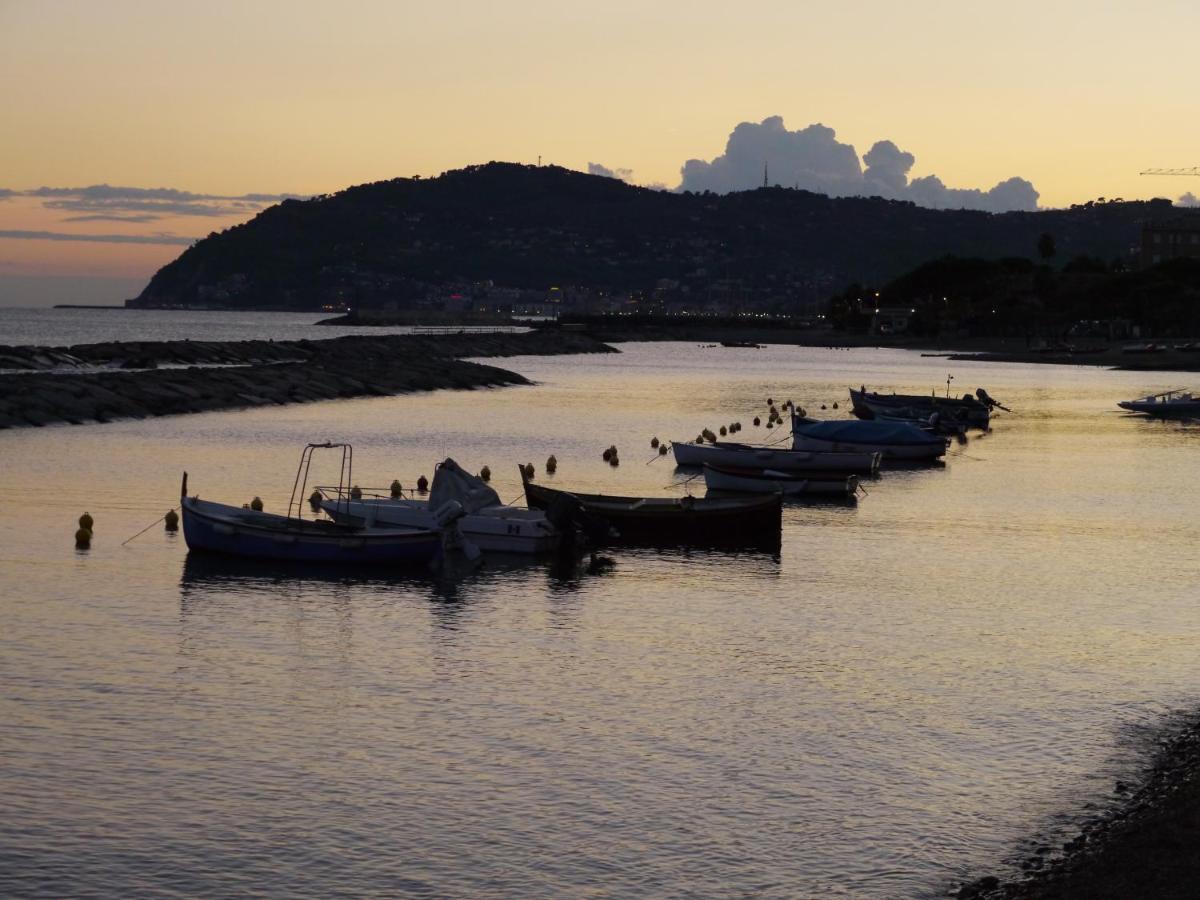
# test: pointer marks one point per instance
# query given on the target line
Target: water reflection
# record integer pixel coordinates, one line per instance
(205, 574)
(896, 698)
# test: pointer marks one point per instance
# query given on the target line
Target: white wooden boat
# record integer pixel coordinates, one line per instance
(1177, 404)
(896, 441)
(488, 524)
(774, 481)
(725, 453)
(253, 534)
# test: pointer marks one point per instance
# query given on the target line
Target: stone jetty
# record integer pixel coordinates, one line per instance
(102, 382)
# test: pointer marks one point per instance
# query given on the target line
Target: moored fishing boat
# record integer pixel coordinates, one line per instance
(973, 411)
(221, 528)
(774, 481)
(725, 453)
(673, 521)
(487, 523)
(896, 441)
(254, 534)
(1176, 404)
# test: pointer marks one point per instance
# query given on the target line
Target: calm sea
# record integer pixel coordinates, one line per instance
(64, 327)
(916, 685)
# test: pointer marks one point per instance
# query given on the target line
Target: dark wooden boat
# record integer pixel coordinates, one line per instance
(672, 521)
(972, 411)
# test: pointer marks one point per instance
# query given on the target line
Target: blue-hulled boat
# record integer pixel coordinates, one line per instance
(894, 440)
(240, 531)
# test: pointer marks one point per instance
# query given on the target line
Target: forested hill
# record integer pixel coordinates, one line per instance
(532, 227)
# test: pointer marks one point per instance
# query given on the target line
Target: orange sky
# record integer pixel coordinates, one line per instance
(230, 98)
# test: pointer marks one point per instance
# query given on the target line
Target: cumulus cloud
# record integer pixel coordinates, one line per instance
(810, 158)
(813, 159)
(887, 167)
(1188, 199)
(605, 171)
(98, 238)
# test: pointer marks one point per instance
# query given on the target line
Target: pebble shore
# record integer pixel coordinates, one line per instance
(1148, 846)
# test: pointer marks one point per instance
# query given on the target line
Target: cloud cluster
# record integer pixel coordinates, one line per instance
(133, 205)
(1189, 199)
(813, 159)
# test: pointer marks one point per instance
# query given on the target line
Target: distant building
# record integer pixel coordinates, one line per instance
(1171, 238)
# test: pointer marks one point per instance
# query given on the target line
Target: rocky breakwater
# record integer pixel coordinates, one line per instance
(102, 382)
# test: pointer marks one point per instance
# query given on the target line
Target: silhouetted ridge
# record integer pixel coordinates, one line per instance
(518, 226)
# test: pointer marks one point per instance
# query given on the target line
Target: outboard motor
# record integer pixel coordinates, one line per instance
(450, 511)
(567, 514)
(447, 516)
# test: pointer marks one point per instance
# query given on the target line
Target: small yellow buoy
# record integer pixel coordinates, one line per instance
(171, 520)
(83, 537)
(256, 504)
(551, 464)
(485, 473)
(397, 490)
(422, 484)
(86, 522)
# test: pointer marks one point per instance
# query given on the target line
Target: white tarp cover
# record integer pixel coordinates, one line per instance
(452, 482)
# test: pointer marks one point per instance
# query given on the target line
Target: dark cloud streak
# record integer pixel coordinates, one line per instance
(110, 200)
(98, 238)
(103, 217)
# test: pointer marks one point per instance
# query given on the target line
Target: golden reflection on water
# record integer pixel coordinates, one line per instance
(915, 684)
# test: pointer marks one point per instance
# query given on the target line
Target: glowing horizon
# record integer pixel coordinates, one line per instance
(273, 98)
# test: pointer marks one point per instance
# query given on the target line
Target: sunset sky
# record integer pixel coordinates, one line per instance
(237, 103)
